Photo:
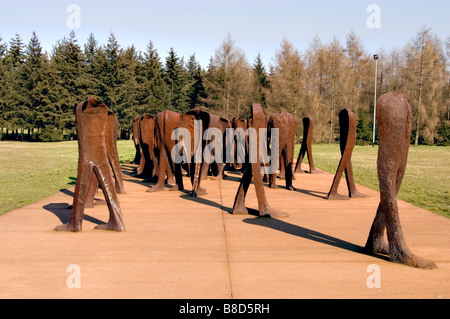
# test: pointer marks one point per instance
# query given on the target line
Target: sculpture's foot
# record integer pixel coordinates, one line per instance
(110, 226)
(200, 191)
(155, 189)
(414, 261)
(240, 210)
(270, 212)
(378, 247)
(337, 197)
(358, 195)
(176, 188)
(72, 227)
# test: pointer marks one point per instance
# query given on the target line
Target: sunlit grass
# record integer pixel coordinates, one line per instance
(31, 171)
(427, 179)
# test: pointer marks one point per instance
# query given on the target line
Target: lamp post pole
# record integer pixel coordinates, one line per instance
(375, 57)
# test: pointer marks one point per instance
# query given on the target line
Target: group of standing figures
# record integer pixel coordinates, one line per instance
(98, 163)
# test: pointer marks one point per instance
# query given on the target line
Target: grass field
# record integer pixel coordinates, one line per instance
(426, 182)
(31, 171)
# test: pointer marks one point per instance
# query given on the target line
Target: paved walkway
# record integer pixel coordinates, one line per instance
(178, 247)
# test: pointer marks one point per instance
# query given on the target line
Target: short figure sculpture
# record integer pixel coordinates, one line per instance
(91, 121)
(306, 146)
(257, 120)
(347, 122)
(147, 167)
(394, 126)
(286, 123)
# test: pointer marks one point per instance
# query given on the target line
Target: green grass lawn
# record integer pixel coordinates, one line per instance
(31, 171)
(426, 182)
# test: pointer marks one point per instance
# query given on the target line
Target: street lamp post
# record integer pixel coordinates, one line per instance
(375, 57)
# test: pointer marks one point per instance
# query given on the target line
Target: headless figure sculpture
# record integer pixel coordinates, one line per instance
(394, 127)
(286, 124)
(111, 134)
(306, 146)
(135, 128)
(147, 167)
(91, 121)
(347, 123)
(257, 120)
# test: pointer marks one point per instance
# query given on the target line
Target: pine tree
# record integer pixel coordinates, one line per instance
(195, 77)
(151, 74)
(177, 80)
(261, 81)
(68, 81)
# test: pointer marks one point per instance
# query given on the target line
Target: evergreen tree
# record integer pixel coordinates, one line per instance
(68, 82)
(177, 80)
(261, 81)
(155, 93)
(3, 87)
(15, 113)
(195, 77)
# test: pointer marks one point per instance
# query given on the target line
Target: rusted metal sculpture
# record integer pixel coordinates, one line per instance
(111, 135)
(256, 120)
(394, 127)
(286, 124)
(237, 123)
(166, 123)
(91, 124)
(135, 129)
(306, 146)
(146, 168)
(347, 122)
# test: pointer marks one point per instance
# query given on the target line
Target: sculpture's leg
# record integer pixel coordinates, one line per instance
(85, 173)
(333, 193)
(177, 172)
(282, 167)
(106, 182)
(398, 250)
(239, 201)
(93, 187)
(288, 176)
(170, 177)
(352, 191)
(301, 154)
(263, 206)
(376, 243)
(162, 168)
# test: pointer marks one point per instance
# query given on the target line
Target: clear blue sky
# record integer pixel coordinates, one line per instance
(200, 26)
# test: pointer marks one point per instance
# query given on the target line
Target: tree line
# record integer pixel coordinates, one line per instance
(39, 90)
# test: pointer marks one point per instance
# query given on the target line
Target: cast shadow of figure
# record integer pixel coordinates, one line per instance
(310, 234)
(63, 212)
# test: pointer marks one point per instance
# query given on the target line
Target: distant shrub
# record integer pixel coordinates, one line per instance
(49, 134)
